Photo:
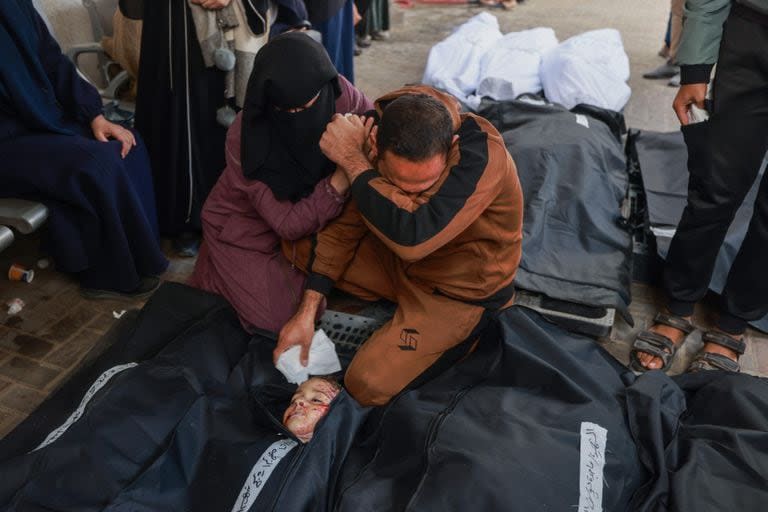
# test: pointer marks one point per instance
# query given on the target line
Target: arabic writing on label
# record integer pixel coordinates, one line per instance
(592, 462)
(260, 473)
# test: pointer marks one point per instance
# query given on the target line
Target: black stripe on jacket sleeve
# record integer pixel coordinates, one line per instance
(317, 282)
(413, 228)
(320, 283)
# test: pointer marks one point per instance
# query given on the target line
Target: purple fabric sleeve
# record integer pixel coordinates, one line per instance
(292, 221)
(352, 99)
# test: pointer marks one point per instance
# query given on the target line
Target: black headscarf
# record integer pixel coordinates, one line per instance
(281, 148)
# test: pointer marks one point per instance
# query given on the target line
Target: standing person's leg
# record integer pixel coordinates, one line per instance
(745, 297)
(362, 39)
(176, 107)
(379, 19)
(664, 52)
(725, 154)
(675, 34)
(675, 27)
(339, 40)
(724, 157)
(346, 22)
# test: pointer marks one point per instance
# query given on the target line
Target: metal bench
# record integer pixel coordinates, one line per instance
(100, 13)
(22, 215)
(6, 237)
(592, 321)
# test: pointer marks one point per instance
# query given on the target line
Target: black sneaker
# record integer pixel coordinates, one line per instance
(666, 70)
(146, 287)
(380, 35)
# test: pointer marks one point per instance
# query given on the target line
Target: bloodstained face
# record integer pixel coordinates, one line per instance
(308, 405)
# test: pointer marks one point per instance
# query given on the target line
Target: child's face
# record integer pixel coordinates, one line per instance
(308, 405)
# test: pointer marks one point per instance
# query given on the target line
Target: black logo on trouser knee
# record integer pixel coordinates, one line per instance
(409, 339)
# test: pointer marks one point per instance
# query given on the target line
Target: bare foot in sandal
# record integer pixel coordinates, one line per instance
(676, 335)
(714, 348)
(721, 351)
(656, 347)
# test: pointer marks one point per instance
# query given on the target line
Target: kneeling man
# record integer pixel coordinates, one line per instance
(434, 224)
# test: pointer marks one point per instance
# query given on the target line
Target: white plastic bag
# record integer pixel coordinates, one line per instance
(588, 68)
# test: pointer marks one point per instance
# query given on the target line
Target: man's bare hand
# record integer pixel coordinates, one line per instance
(687, 95)
(298, 331)
(212, 5)
(344, 142)
(301, 327)
(104, 130)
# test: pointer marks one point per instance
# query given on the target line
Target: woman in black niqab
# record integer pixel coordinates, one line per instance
(291, 97)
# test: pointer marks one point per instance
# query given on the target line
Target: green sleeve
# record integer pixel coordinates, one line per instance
(702, 30)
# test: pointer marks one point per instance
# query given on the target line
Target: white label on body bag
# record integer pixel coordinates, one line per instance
(95, 387)
(582, 120)
(260, 473)
(592, 462)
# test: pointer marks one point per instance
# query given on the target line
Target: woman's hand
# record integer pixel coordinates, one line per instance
(104, 130)
(212, 5)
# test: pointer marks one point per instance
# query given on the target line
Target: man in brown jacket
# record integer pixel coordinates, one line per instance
(434, 224)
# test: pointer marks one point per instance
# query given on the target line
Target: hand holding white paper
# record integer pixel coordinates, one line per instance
(322, 359)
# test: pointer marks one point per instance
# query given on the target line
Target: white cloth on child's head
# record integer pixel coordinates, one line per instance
(322, 359)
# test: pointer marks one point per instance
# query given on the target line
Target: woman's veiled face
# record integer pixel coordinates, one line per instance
(308, 405)
(302, 107)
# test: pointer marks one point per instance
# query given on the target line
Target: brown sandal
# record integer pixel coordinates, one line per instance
(705, 361)
(658, 345)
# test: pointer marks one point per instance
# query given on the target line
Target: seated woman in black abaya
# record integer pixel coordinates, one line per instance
(56, 147)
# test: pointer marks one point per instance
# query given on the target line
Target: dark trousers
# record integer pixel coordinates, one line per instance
(724, 158)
